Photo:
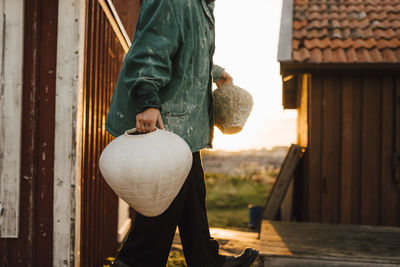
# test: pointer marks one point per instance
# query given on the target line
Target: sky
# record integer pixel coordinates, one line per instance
(247, 34)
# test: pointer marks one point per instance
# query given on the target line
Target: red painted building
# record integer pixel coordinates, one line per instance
(340, 65)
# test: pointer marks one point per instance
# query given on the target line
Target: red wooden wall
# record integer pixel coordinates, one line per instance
(35, 243)
(353, 134)
(103, 60)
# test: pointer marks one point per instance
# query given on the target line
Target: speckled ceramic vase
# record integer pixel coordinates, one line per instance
(232, 107)
(146, 170)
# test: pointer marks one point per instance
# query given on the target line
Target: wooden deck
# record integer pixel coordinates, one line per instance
(294, 244)
(312, 244)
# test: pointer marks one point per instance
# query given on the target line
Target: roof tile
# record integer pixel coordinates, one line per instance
(346, 31)
(375, 55)
(389, 56)
(395, 24)
(301, 2)
(382, 44)
(339, 55)
(316, 55)
(295, 44)
(363, 55)
(304, 54)
(299, 24)
(367, 33)
(393, 16)
(336, 43)
(337, 34)
(352, 55)
(387, 34)
(370, 43)
(315, 42)
(389, 8)
(314, 16)
(327, 55)
(300, 34)
(336, 23)
(397, 52)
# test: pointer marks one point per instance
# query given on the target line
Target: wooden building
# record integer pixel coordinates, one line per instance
(59, 63)
(340, 66)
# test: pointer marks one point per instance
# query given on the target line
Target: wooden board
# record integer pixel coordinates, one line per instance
(389, 190)
(313, 244)
(351, 149)
(396, 156)
(371, 150)
(330, 170)
(11, 60)
(282, 182)
(68, 132)
(313, 197)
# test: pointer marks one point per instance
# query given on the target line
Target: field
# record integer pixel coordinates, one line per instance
(228, 198)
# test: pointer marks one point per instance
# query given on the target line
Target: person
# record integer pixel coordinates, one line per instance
(166, 80)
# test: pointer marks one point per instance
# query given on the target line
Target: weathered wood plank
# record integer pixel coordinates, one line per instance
(301, 181)
(46, 72)
(371, 150)
(331, 132)
(350, 151)
(396, 160)
(314, 150)
(331, 242)
(282, 182)
(287, 203)
(388, 185)
(68, 116)
(302, 113)
(11, 60)
(356, 151)
(346, 167)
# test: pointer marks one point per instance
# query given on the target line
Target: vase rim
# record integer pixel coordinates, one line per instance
(132, 133)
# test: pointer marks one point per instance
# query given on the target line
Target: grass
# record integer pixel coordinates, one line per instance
(228, 198)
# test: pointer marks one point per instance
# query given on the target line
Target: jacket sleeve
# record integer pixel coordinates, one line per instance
(217, 72)
(148, 64)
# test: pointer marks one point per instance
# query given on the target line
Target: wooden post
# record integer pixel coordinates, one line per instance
(67, 149)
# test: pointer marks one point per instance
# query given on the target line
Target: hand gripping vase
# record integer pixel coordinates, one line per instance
(146, 170)
(232, 107)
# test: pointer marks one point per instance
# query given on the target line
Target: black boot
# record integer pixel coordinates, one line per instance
(246, 259)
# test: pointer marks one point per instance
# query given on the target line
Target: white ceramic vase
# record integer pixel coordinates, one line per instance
(146, 170)
(232, 108)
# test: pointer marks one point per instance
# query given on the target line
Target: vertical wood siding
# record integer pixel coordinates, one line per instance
(103, 60)
(34, 245)
(353, 136)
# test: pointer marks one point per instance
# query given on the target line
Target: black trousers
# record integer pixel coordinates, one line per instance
(149, 241)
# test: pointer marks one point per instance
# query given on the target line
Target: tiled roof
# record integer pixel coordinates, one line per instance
(346, 31)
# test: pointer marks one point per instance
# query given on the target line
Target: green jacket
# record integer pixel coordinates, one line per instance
(169, 66)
